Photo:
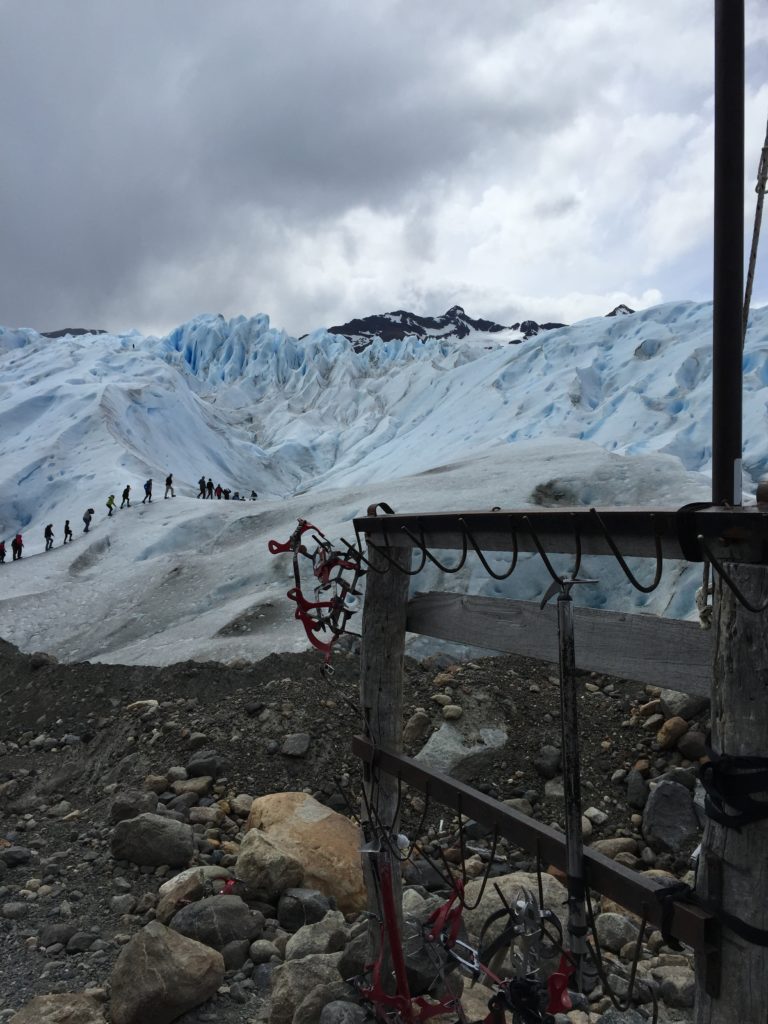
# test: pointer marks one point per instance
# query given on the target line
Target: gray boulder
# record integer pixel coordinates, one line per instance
(460, 748)
(311, 1007)
(630, 1016)
(297, 907)
(131, 804)
(677, 986)
(219, 920)
(614, 931)
(293, 981)
(548, 761)
(204, 762)
(327, 936)
(682, 705)
(355, 957)
(342, 1012)
(152, 840)
(296, 745)
(637, 790)
(669, 819)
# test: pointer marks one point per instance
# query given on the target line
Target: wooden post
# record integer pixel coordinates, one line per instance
(733, 870)
(381, 698)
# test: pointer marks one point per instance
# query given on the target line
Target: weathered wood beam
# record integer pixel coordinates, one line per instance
(642, 648)
(740, 535)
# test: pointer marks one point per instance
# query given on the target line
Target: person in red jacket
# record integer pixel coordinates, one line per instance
(2, 551)
(219, 491)
(17, 545)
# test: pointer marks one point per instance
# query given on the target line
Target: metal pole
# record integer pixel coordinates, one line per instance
(762, 178)
(569, 719)
(728, 287)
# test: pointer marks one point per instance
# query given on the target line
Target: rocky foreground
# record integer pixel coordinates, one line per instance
(174, 843)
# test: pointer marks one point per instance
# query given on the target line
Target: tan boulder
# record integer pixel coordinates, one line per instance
(183, 888)
(160, 974)
(325, 843)
(200, 786)
(614, 845)
(64, 1008)
(267, 865)
(512, 886)
(670, 732)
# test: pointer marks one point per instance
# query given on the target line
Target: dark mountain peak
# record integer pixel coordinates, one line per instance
(74, 332)
(621, 310)
(454, 323)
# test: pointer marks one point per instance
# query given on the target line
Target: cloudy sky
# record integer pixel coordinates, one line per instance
(322, 160)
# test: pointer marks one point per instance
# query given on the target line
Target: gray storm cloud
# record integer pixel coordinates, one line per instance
(317, 162)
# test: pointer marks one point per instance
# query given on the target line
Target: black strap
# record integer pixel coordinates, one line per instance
(667, 895)
(729, 781)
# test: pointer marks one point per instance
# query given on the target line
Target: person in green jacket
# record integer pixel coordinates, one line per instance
(110, 504)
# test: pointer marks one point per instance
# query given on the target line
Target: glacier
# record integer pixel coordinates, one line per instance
(609, 411)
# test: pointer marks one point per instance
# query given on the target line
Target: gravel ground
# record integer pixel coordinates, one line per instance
(68, 740)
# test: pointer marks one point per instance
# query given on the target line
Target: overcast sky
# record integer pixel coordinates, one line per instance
(317, 161)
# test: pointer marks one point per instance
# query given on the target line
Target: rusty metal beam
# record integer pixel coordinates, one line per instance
(737, 535)
(629, 888)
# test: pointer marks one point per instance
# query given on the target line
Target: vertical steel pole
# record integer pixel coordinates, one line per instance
(728, 284)
(569, 719)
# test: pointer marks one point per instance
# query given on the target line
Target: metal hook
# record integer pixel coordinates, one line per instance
(620, 559)
(481, 556)
(392, 562)
(535, 538)
(425, 550)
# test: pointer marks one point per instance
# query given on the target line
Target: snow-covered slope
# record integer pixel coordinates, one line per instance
(608, 411)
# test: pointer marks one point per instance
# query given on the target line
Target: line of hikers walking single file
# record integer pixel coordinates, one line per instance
(206, 490)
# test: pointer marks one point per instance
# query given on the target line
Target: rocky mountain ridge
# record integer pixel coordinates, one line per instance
(454, 323)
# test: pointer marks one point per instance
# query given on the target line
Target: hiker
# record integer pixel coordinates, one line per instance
(67, 531)
(87, 516)
(110, 505)
(236, 496)
(209, 488)
(169, 486)
(2, 551)
(218, 492)
(226, 492)
(49, 537)
(17, 545)
(147, 491)
(126, 496)
(254, 495)
(201, 485)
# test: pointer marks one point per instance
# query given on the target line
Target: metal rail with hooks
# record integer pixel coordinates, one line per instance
(735, 535)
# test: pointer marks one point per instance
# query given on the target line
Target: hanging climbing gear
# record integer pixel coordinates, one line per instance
(336, 595)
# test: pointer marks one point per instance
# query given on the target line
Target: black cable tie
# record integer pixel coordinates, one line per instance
(667, 895)
(729, 780)
(683, 893)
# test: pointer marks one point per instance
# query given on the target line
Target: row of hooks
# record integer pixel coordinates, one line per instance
(514, 523)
